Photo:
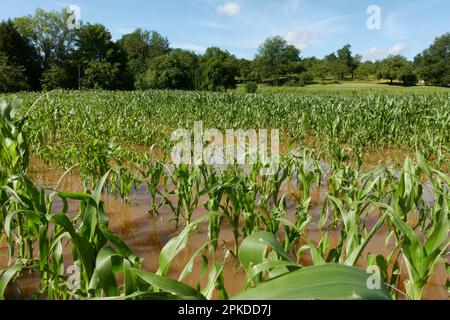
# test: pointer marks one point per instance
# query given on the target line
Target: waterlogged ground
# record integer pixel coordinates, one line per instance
(146, 235)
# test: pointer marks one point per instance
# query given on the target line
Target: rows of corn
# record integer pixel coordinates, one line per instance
(120, 141)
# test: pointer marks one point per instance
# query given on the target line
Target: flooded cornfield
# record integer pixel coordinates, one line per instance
(146, 234)
(200, 195)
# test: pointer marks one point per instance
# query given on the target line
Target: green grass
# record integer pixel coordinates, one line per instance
(346, 87)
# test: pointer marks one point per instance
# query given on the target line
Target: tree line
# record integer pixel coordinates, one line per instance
(39, 52)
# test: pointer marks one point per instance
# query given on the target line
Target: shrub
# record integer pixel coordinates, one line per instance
(100, 75)
(408, 78)
(251, 87)
(306, 78)
(54, 78)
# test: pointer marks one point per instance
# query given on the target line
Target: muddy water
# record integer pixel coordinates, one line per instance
(146, 235)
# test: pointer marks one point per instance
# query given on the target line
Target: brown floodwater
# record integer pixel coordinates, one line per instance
(146, 235)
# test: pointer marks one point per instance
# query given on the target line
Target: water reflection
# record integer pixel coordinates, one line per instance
(146, 235)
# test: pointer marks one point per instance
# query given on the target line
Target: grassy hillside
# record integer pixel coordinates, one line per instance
(350, 87)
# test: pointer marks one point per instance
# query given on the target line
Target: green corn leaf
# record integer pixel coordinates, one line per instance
(75, 195)
(105, 273)
(253, 249)
(323, 282)
(214, 274)
(6, 276)
(169, 285)
(83, 247)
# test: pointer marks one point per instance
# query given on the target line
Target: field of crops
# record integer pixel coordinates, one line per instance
(362, 184)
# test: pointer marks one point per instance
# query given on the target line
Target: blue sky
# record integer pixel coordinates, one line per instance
(317, 27)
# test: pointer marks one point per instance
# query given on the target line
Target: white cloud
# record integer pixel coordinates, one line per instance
(399, 48)
(300, 39)
(229, 9)
(190, 46)
(317, 32)
(374, 54)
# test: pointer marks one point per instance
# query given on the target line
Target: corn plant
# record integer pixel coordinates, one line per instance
(272, 275)
(152, 174)
(186, 186)
(421, 257)
(213, 187)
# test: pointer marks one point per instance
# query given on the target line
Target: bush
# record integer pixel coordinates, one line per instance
(100, 75)
(175, 70)
(306, 78)
(292, 83)
(251, 87)
(408, 78)
(54, 78)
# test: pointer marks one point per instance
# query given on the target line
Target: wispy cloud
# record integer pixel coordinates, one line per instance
(189, 46)
(330, 20)
(212, 24)
(313, 33)
(301, 39)
(229, 9)
(395, 26)
(374, 54)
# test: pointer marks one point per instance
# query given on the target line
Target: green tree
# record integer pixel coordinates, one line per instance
(276, 59)
(434, 63)
(19, 52)
(136, 45)
(365, 70)
(319, 69)
(345, 59)
(100, 74)
(246, 71)
(218, 69)
(343, 63)
(306, 78)
(408, 76)
(97, 53)
(48, 32)
(335, 66)
(141, 47)
(357, 58)
(94, 43)
(292, 58)
(159, 45)
(55, 77)
(12, 77)
(309, 63)
(391, 67)
(175, 70)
